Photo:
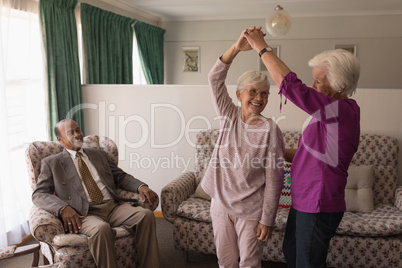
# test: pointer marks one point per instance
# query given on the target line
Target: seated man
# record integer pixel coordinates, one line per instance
(79, 186)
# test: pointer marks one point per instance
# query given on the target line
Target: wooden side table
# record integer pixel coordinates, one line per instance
(24, 250)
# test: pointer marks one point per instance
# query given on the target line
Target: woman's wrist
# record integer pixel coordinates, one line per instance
(261, 47)
(235, 49)
(229, 56)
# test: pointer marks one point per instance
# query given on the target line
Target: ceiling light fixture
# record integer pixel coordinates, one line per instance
(278, 22)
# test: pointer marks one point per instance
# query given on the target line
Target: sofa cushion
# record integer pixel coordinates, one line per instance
(384, 220)
(195, 209)
(359, 189)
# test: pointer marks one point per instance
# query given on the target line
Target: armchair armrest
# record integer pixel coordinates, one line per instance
(398, 198)
(175, 192)
(131, 195)
(43, 225)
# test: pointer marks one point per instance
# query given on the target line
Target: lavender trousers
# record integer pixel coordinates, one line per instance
(235, 238)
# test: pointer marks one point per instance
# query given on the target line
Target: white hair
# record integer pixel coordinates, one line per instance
(255, 78)
(342, 67)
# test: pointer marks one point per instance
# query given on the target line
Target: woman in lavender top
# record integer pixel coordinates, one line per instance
(326, 148)
(245, 173)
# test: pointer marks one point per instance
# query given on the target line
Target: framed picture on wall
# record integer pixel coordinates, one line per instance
(350, 48)
(191, 59)
(262, 67)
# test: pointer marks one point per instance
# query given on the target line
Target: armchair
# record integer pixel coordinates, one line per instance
(72, 249)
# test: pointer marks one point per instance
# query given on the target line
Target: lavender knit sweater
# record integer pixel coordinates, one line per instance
(245, 173)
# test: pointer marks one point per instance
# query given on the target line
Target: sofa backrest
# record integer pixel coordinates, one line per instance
(38, 150)
(379, 151)
(382, 153)
(205, 144)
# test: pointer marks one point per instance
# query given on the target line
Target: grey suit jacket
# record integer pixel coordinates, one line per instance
(59, 184)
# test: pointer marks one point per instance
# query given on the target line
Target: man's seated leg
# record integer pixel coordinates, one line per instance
(96, 225)
(143, 222)
(100, 241)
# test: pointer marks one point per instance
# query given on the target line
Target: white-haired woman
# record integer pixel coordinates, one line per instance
(245, 174)
(326, 147)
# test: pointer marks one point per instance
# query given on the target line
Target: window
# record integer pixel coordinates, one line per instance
(25, 79)
(24, 115)
(138, 74)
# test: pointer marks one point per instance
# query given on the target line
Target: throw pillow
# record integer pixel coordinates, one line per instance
(200, 193)
(359, 189)
(285, 201)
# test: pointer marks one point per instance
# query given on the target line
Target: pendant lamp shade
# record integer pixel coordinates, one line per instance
(278, 23)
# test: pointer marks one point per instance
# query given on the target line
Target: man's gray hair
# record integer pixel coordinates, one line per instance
(56, 127)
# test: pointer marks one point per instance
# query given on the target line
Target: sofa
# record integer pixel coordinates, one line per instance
(71, 250)
(368, 236)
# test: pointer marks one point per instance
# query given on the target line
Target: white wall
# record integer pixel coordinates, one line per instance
(143, 119)
(378, 40)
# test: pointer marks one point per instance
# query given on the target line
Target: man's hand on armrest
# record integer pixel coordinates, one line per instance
(71, 220)
(147, 194)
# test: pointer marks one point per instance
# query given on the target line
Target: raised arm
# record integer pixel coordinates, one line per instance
(275, 66)
(240, 45)
(223, 103)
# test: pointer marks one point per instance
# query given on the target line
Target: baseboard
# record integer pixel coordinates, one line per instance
(158, 214)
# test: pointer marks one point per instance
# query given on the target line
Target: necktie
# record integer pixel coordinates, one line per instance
(93, 190)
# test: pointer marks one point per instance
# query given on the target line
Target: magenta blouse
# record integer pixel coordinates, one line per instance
(326, 147)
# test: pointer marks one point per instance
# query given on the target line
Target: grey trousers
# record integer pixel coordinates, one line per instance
(97, 225)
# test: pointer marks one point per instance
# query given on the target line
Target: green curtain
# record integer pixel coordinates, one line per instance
(59, 32)
(108, 46)
(150, 46)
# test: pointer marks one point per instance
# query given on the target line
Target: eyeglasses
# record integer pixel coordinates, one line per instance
(253, 93)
